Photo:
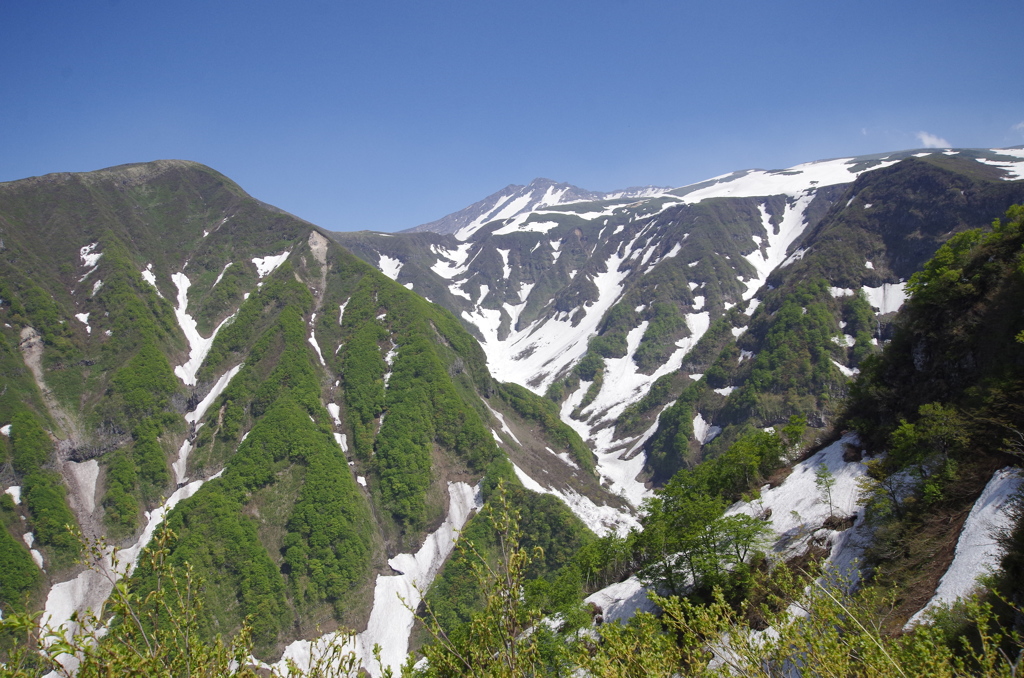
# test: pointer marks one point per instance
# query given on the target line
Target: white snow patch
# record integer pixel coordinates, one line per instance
(390, 266)
(977, 551)
(791, 182)
(84, 319)
(335, 413)
(849, 372)
(96, 288)
(86, 473)
(752, 306)
(90, 257)
(791, 227)
(504, 425)
(198, 346)
(798, 509)
(704, 431)
(341, 311)
(312, 339)
(506, 269)
(838, 292)
(697, 376)
(147, 275)
(15, 492)
(219, 277)
(737, 331)
(342, 441)
(1014, 169)
(887, 298)
(725, 391)
(868, 264)
(847, 340)
(523, 225)
(621, 601)
(564, 456)
(89, 590)
(361, 480)
(545, 346)
(698, 303)
(267, 265)
(452, 262)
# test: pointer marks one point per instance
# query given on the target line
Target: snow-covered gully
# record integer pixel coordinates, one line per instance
(90, 589)
(395, 597)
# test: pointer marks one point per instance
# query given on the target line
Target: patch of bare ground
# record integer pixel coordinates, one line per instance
(779, 475)
(912, 556)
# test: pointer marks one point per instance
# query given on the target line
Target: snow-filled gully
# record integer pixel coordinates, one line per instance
(90, 589)
(199, 346)
(395, 597)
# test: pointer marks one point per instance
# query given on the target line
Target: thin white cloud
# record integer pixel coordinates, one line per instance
(931, 141)
(1019, 127)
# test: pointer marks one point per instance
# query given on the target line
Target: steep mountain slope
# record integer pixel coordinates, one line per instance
(310, 420)
(616, 308)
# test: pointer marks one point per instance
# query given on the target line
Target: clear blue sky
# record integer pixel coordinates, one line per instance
(385, 114)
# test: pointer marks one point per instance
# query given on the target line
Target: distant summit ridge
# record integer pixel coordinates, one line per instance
(516, 199)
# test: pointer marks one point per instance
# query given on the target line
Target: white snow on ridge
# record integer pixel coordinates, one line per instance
(148, 275)
(395, 597)
(1014, 170)
(887, 298)
(219, 277)
(390, 266)
(977, 551)
(792, 182)
(521, 224)
(267, 265)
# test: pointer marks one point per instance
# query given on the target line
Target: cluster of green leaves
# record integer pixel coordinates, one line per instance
(156, 628)
(944, 397)
(687, 540)
(669, 448)
(139, 400)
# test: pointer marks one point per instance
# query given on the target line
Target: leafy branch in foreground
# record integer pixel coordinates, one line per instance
(498, 641)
